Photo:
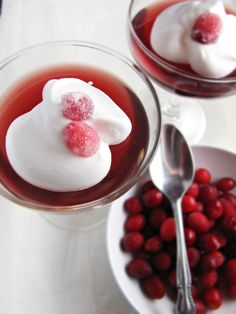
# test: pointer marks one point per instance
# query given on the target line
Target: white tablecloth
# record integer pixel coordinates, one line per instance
(48, 270)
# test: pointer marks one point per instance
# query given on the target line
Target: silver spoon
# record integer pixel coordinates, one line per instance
(172, 172)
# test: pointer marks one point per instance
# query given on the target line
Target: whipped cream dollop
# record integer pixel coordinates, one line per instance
(39, 151)
(171, 38)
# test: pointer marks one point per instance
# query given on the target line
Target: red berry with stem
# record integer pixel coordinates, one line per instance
(207, 28)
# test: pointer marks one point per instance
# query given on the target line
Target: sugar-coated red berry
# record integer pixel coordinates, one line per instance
(198, 222)
(139, 268)
(208, 279)
(207, 28)
(193, 190)
(188, 204)
(132, 242)
(190, 236)
(214, 209)
(82, 139)
(202, 176)
(200, 307)
(77, 106)
(156, 217)
(208, 193)
(193, 256)
(152, 198)
(135, 222)
(133, 205)
(230, 271)
(168, 229)
(153, 244)
(153, 287)
(161, 261)
(231, 291)
(226, 184)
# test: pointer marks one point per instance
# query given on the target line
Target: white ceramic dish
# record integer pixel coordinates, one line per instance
(220, 163)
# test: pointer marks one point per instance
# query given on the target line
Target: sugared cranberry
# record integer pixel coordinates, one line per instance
(230, 271)
(202, 176)
(156, 217)
(153, 287)
(207, 28)
(153, 244)
(212, 297)
(209, 242)
(208, 193)
(214, 209)
(133, 205)
(190, 236)
(225, 184)
(135, 222)
(82, 139)
(152, 198)
(168, 229)
(188, 204)
(161, 261)
(198, 222)
(132, 241)
(231, 291)
(77, 106)
(193, 256)
(208, 279)
(193, 190)
(139, 268)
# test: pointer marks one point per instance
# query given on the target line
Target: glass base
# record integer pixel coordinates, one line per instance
(188, 116)
(80, 221)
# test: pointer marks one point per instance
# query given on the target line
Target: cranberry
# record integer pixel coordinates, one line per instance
(209, 242)
(193, 256)
(139, 268)
(135, 222)
(202, 176)
(156, 217)
(212, 297)
(133, 205)
(132, 241)
(198, 222)
(230, 271)
(188, 204)
(168, 229)
(193, 190)
(199, 207)
(225, 184)
(214, 209)
(82, 139)
(153, 287)
(200, 307)
(152, 198)
(148, 185)
(161, 261)
(153, 244)
(208, 279)
(190, 236)
(228, 208)
(207, 28)
(231, 291)
(230, 197)
(207, 193)
(229, 225)
(211, 261)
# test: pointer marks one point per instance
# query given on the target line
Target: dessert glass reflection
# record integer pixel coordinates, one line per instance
(188, 48)
(46, 163)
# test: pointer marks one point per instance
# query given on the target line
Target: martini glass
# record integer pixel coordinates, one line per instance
(182, 88)
(124, 82)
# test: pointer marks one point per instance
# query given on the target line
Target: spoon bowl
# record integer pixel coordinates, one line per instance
(172, 171)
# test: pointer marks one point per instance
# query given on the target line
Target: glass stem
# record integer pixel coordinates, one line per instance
(172, 109)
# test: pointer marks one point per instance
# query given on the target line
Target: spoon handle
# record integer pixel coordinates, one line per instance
(184, 304)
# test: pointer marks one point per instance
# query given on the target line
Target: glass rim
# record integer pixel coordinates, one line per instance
(166, 65)
(131, 181)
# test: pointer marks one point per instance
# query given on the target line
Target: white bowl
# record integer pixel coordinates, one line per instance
(220, 163)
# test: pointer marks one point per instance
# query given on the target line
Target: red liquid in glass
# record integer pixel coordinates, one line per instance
(125, 156)
(179, 82)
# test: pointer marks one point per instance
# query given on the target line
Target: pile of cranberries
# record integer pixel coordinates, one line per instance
(209, 213)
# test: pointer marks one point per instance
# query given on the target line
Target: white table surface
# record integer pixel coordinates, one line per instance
(48, 270)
